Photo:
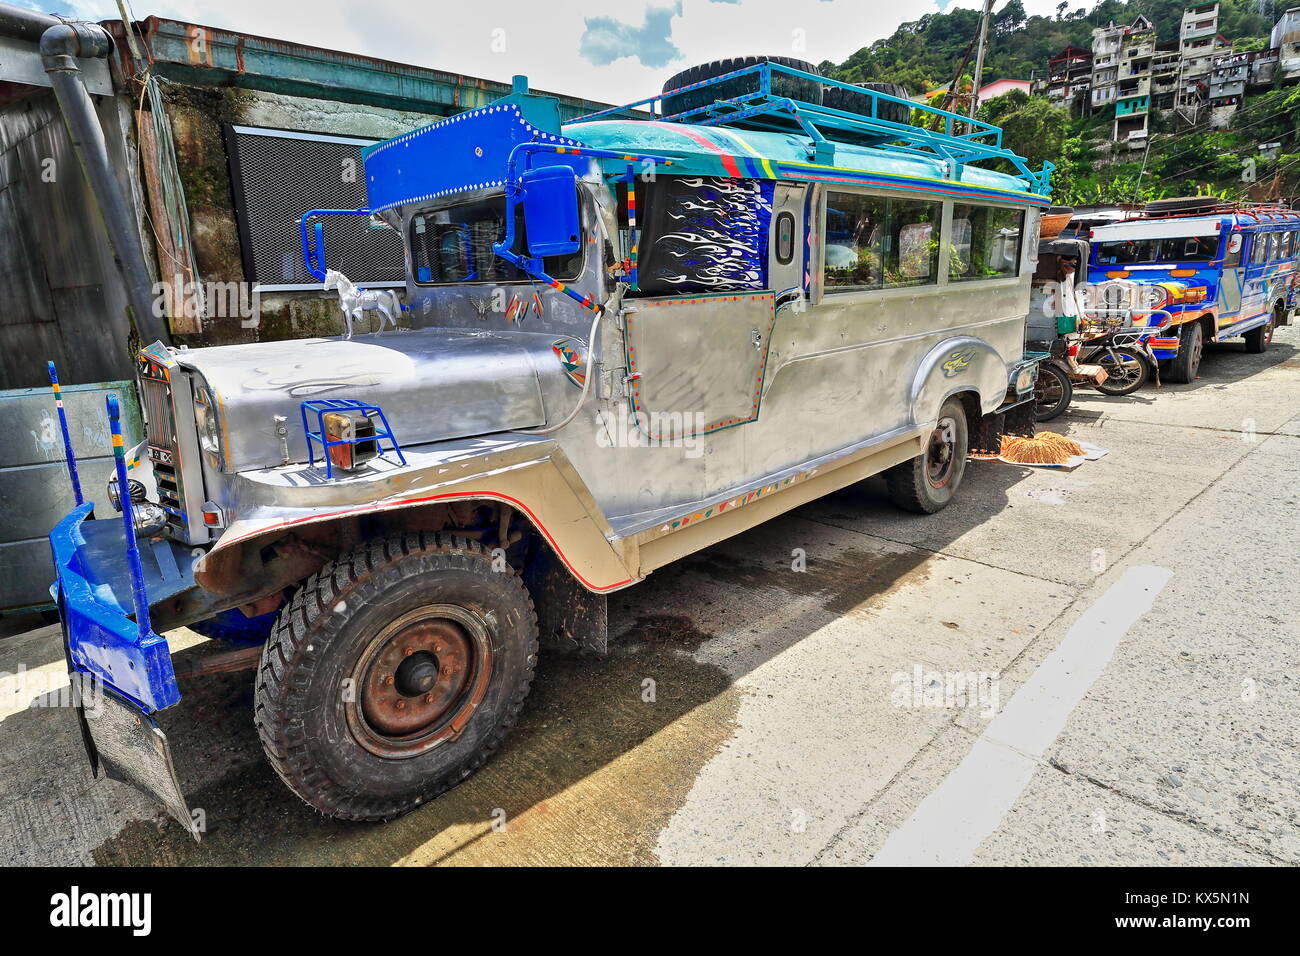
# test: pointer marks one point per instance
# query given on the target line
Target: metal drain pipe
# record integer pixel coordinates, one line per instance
(61, 42)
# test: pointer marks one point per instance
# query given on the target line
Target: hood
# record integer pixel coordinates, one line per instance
(432, 385)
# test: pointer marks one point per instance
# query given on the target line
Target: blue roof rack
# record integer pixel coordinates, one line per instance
(959, 140)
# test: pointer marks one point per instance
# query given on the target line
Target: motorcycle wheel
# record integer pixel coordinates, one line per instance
(1052, 392)
(1126, 370)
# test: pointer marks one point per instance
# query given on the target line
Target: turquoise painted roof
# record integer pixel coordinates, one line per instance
(721, 151)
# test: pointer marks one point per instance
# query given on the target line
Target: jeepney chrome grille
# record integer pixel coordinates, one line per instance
(160, 432)
(160, 426)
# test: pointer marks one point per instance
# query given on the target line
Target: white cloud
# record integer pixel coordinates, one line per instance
(630, 52)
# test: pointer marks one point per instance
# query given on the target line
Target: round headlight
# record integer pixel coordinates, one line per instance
(205, 420)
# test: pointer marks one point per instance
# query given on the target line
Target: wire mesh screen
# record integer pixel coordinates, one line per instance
(277, 177)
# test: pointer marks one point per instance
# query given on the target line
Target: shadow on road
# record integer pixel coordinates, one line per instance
(582, 717)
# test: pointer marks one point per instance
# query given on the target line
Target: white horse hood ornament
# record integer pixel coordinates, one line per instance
(354, 301)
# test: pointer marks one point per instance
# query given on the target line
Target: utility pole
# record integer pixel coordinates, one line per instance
(979, 60)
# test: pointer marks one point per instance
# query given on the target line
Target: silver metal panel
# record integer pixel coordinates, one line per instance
(21, 63)
(787, 198)
(35, 492)
(433, 384)
(698, 360)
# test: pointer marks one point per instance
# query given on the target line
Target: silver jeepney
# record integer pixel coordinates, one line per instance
(583, 430)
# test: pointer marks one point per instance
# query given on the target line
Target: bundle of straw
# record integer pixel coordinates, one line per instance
(1045, 448)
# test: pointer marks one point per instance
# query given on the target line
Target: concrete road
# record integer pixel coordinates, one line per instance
(1094, 667)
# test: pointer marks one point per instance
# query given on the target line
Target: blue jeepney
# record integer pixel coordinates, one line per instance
(1225, 273)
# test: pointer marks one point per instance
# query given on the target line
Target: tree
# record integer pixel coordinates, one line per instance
(1031, 126)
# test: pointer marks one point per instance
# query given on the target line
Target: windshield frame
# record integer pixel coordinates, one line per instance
(571, 275)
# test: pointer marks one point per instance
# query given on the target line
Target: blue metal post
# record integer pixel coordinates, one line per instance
(67, 439)
(128, 520)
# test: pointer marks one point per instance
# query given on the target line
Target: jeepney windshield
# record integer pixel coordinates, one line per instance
(454, 245)
(1124, 252)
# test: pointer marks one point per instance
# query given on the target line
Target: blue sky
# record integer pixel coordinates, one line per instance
(610, 50)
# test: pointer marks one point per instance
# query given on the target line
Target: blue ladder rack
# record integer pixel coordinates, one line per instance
(319, 406)
(961, 140)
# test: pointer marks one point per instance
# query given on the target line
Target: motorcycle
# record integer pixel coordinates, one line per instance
(1125, 356)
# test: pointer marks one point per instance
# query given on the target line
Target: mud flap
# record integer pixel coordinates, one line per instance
(569, 617)
(126, 744)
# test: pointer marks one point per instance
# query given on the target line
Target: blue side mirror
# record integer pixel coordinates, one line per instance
(551, 211)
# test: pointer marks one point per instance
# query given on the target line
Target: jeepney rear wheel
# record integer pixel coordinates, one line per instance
(928, 482)
(394, 673)
(1184, 365)
(1258, 340)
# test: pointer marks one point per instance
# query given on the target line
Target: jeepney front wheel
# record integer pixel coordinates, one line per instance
(1184, 365)
(928, 482)
(394, 673)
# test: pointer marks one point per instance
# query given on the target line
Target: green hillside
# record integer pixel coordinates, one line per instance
(923, 54)
(1180, 160)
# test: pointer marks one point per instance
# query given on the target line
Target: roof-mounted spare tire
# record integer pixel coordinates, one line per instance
(851, 101)
(1183, 205)
(783, 84)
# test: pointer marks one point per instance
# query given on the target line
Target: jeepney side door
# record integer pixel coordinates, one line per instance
(696, 362)
(1229, 298)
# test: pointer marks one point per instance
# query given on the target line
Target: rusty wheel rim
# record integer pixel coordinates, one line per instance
(941, 453)
(419, 681)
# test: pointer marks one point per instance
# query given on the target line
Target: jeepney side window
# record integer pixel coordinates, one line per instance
(985, 242)
(1288, 244)
(1195, 249)
(912, 253)
(1232, 251)
(700, 234)
(878, 243)
(454, 245)
(855, 229)
(1258, 248)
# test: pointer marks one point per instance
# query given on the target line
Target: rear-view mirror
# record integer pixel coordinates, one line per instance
(551, 211)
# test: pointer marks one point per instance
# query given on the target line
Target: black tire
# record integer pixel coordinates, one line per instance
(232, 627)
(849, 101)
(1258, 340)
(928, 482)
(1182, 205)
(1052, 392)
(1187, 362)
(1125, 376)
(783, 84)
(352, 620)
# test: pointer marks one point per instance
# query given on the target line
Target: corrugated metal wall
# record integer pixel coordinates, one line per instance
(60, 298)
(60, 293)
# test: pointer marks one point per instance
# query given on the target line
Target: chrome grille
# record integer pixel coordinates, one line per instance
(160, 426)
(160, 431)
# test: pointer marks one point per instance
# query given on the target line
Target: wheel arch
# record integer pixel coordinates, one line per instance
(274, 547)
(962, 365)
(321, 539)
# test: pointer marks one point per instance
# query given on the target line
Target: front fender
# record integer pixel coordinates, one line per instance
(962, 363)
(530, 474)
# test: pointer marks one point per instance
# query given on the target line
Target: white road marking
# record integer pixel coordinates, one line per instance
(955, 818)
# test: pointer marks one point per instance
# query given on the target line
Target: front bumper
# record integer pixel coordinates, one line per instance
(120, 677)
